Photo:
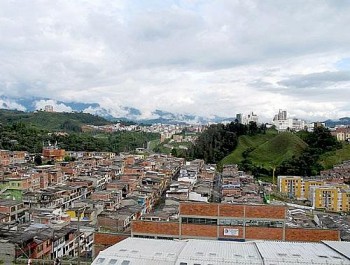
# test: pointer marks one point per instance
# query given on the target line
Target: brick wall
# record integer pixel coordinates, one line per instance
(265, 233)
(159, 228)
(199, 230)
(104, 240)
(262, 211)
(231, 210)
(110, 223)
(311, 235)
(200, 209)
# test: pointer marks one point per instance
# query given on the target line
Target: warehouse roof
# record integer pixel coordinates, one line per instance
(133, 251)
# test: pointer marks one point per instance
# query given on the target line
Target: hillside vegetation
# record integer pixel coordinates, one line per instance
(247, 143)
(329, 159)
(282, 147)
(304, 153)
(51, 121)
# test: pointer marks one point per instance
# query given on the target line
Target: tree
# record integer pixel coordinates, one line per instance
(38, 160)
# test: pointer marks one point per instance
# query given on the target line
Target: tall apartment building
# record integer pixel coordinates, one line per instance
(246, 119)
(297, 187)
(283, 123)
(335, 198)
(48, 108)
(323, 196)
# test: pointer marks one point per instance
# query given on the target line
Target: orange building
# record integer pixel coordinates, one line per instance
(53, 153)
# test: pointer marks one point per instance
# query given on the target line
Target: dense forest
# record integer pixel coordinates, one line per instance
(52, 121)
(219, 140)
(21, 136)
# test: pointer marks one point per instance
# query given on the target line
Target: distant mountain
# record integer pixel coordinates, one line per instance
(342, 121)
(119, 113)
(52, 121)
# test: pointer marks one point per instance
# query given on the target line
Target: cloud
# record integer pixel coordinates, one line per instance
(6, 103)
(57, 107)
(316, 79)
(202, 57)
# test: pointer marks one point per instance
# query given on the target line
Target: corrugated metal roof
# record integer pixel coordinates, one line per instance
(142, 251)
(340, 246)
(210, 252)
(219, 252)
(297, 252)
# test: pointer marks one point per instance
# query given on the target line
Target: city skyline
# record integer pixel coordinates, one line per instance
(200, 57)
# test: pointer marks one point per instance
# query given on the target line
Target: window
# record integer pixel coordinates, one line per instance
(264, 223)
(100, 260)
(202, 221)
(183, 263)
(125, 262)
(231, 222)
(112, 262)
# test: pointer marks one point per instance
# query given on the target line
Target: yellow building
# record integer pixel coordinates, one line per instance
(290, 185)
(334, 198)
(346, 200)
(296, 187)
(311, 183)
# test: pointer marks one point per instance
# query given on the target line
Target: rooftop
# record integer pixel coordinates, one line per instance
(192, 251)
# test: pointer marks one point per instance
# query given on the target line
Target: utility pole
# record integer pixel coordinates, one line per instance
(79, 212)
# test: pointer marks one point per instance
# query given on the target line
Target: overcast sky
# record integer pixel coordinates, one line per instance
(200, 57)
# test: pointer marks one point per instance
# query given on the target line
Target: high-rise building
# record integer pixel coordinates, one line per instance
(48, 108)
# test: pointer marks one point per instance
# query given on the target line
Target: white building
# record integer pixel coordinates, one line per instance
(193, 251)
(251, 117)
(283, 123)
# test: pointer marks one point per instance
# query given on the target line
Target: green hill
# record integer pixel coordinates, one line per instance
(266, 150)
(246, 143)
(52, 121)
(329, 159)
(280, 148)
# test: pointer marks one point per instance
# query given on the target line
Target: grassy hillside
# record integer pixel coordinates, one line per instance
(266, 150)
(335, 157)
(52, 121)
(273, 152)
(271, 149)
(246, 142)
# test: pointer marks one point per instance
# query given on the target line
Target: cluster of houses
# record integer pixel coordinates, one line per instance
(238, 187)
(167, 131)
(52, 210)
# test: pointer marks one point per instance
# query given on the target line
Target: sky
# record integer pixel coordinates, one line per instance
(200, 57)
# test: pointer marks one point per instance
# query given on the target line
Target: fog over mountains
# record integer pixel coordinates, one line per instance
(122, 112)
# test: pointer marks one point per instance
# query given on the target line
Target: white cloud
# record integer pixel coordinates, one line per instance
(57, 107)
(10, 104)
(202, 57)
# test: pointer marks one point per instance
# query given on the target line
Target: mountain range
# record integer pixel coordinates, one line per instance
(123, 113)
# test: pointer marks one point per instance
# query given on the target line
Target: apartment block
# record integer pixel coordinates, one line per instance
(297, 187)
(334, 198)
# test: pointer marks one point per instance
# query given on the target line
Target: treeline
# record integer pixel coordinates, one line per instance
(219, 140)
(319, 142)
(21, 136)
(52, 121)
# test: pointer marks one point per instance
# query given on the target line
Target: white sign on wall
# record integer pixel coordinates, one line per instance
(231, 232)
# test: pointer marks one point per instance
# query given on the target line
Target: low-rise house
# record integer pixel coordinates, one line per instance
(14, 210)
